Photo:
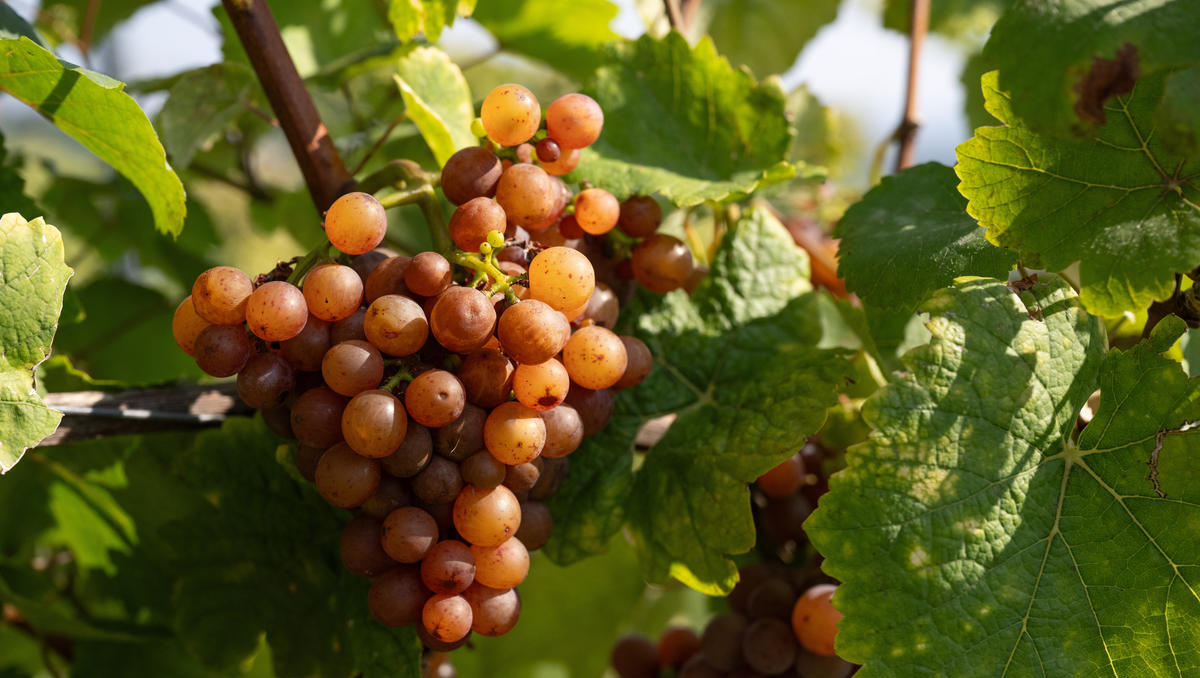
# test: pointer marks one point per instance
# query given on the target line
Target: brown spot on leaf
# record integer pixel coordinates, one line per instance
(1108, 78)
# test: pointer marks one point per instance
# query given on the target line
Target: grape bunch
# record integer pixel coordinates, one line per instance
(780, 623)
(438, 396)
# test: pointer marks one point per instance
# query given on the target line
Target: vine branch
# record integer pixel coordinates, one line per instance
(324, 172)
(906, 132)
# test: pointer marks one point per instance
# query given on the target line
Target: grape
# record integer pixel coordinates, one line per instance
(439, 482)
(811, 665)
(387, 278)
(536, 525)
(219, 295)
(186, 325)
(661, 263)
(374, 423)
(462, 319)
(815, 619)
(569, 228)
(595, 357)
(596, 210)
(494, 611)
(514, 434)
(510, 115)
(352, 367)
(360, 549)
(447, 617)
(721, 642)
(435, 398)
(356, 223)
(333, 292)
(698, 667)
(640, 216)
(436, 645)
(397, 596)
(483, 470)
(676, 646)
(638, 363)
(561, 277)
(448, 567)
(772, 598)
(785, 479)
(278, 419)
(750, 577)
(550, 475)
(265, 380)
(548, 150)
(349, 329)
(550, 236)
(768, 646)
(567, 161)
(391, 494)
(574, 120)
(365, 264)
(305, 350)
(527, 194)
(541, 386)
(346, 479)
(412, 455)
(634, 656)
(486, 517)
(784, 518)
(470, 173)
(564, 431)
(502, 566)
(396, 325)
(532, 332)
(594, 407)
(525, 152)
(408, 533)
(486, 376)
(462, 437)
(522, 477)
(443, 513)
(317, 417)
(306, 458)
(603, 307)
(222, 350)
(562, 195)
(473, 220)
(428, 274)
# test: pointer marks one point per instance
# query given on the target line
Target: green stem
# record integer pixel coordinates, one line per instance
(484, 267)
(436, 222)
(402, 376)
(401, 173)
(309, 261)
(408, 196)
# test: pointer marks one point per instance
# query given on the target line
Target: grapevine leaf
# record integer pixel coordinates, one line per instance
(33, 276)
(12, 186)
(94, 110)
(737, 363)
(12, 26)
(975, 537)
(682, 123)
(911, 235)
(569, 41)
(1110, 203)
(105, 14)
(438, 100)
(1086, 52)
(767, 35)
(200, 104)
(410, 17)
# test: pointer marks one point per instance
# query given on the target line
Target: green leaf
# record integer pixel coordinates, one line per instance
(570, 41)
(107, 13)
(201, 104)
(682, 123)
(820, 135)
(13, 26)
(12, 186)
(1110, 203)
(410, 17)
(738, 363)
(1064, 38)
(438, 100)
(951, 18)
(33, 276)
(94, 110)
(974, 536)
(126, 335)
(911, 235)
(767, 35)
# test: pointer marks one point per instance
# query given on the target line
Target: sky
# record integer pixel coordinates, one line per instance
(853, 64)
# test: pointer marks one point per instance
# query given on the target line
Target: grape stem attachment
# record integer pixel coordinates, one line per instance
(403, 376)
(413, 186)
(484, 266)
(309, 262)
